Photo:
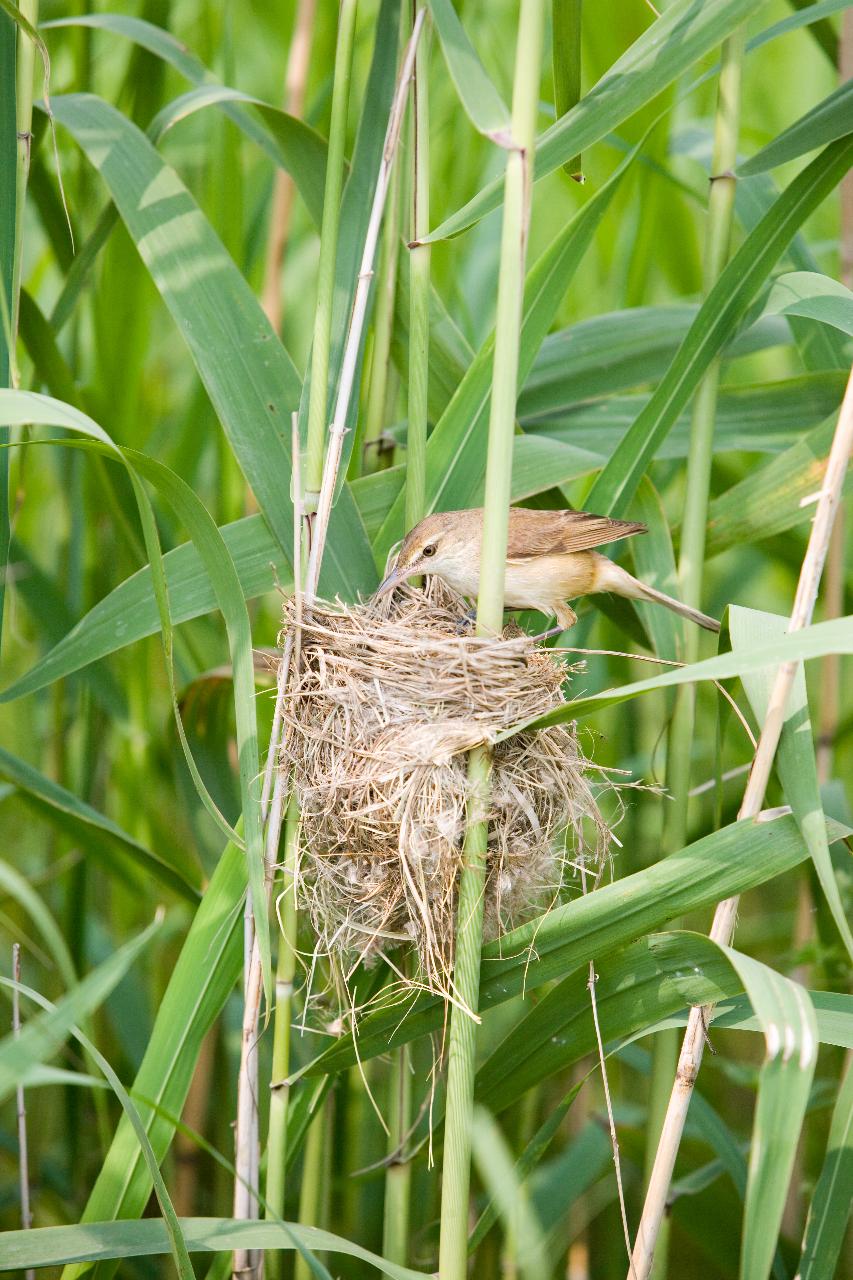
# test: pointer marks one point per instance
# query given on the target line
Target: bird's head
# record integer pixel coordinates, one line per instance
(446, 544)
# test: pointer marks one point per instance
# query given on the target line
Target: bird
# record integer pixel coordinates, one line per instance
(551, 558)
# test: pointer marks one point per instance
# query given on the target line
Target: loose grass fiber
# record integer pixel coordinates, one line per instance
(386, 702)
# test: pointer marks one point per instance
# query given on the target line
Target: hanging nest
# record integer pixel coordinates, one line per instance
(386, 701)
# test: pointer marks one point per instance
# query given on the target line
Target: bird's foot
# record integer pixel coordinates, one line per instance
(466, 622)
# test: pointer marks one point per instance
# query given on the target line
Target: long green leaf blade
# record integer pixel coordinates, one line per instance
(722, 310)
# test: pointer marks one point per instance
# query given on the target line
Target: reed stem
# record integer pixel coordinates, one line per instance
(369, 454)
(456, 1173)
(566, 24)
(419, 287)
(319, 393)
(8, 125)
(692, 557)
(398, 1178)
(311, 1195)
(284, 978)
(722, 929)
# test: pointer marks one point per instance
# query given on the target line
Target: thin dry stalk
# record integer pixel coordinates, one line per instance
(284, 188)
(23, 1157)
(725, 915)
(337, 429)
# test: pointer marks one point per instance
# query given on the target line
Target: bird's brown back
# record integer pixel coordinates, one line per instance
(541, 533)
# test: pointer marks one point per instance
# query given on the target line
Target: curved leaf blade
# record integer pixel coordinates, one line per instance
(105, 1241)
(100, 833)
(483, 104)
(830, 119)
(814, 297)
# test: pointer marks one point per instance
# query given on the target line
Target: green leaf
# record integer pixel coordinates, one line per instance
(655, 564)
(356, 204)
(790, 1032)
(482, 103)
(634, 992)
(829, 1210)
(201, 980)
(719, 315)
(294, 145)
(101, 1241)
(529, 1158)
(686, 31)
(249, 377)
(497, 1172)
(172, 1228)
(16, 886)
(44, 1035)
(795, 756)
(830, 119)
(788, 1022)
(816, 297)
(762, 418)
(774, 497)
(719, 865)
(834, 636)
(618, 350)
(97, 833)
(833, 1011)
(23, 407)
(129, 612)
(455, 447)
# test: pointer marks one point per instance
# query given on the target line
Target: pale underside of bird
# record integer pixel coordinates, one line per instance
(551, 559)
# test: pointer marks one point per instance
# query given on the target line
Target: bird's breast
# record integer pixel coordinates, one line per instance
(543, 581)
(535, 583)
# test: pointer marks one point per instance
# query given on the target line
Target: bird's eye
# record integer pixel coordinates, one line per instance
(429, 550)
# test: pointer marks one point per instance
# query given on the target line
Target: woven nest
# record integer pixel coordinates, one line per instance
(385, 703)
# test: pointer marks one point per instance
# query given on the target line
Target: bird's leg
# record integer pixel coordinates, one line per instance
(566, 616)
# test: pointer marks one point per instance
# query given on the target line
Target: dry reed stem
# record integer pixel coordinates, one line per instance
(725, 915)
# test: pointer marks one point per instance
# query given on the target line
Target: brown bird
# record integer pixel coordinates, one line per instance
(550, 559)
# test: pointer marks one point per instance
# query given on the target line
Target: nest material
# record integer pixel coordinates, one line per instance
(387, 700)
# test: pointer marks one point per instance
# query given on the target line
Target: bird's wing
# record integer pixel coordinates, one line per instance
(541, 533)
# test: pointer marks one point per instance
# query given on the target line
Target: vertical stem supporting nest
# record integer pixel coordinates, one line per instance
(453, 1247)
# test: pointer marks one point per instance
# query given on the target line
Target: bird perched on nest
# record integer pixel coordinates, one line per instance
(551, 558)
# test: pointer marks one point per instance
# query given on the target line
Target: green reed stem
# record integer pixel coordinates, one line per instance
(419, 286)
(566, 18)
(692, 556)
(456, 1173)
(24, 117)
(283, 1017)
(398, 1178)
(319, 393)
(312, 1191)
(369, 454)
(8, 161)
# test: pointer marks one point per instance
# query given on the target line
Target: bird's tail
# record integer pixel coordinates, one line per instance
(614, 578)
(692, 615)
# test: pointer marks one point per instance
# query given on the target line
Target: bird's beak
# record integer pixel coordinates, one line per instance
(395, 577)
